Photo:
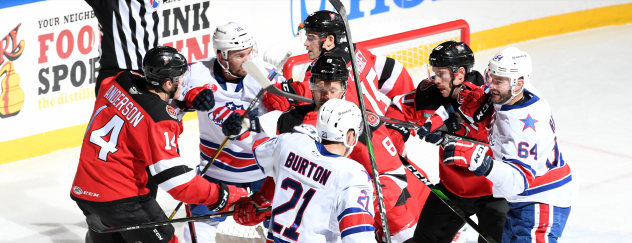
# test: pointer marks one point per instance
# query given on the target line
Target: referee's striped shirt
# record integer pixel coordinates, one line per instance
(129, 28)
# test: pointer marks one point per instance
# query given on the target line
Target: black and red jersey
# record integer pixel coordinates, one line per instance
(420, 104)
(133, 131)
(382, 79)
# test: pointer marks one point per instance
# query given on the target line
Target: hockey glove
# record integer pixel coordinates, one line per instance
(274, 102)
(466, 154)
(434, 138)
(200, 98)
(204, 101)
(438, 119)
(236, 129)
(228, 195)
(245, 213)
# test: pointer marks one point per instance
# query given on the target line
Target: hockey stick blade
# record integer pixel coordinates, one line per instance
(354, 66)
(100, 228)
(254, 71)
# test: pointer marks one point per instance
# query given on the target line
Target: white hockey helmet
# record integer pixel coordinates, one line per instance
(335, 118)
(233, 37)
(511, 63)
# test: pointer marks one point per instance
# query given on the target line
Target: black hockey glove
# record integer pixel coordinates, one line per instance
(232, 125)
(204, 101)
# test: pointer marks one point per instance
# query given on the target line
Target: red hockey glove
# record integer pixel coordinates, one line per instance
(469, 155)
(228, 195)
(274, 102)
(245, 214)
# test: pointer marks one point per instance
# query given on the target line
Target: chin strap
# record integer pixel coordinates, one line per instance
(513, 95)
(226, 69)
(454, 86)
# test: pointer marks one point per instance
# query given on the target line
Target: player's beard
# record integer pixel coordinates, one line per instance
(503, 97)
(239, 72)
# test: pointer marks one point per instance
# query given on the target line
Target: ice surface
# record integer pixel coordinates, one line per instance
(585, 76)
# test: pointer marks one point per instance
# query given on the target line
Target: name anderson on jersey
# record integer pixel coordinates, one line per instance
(300, 164)
(124, 105)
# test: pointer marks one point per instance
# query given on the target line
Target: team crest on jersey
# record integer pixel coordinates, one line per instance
(361, 61)
(425, 84)
(373, 119)
(219, 115)
(172, 112)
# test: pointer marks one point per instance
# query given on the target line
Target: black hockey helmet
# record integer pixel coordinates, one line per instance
(330, 67)
(454, 55)
(326, 23)
(163, 62)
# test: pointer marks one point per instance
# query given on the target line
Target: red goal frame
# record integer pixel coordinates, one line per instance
(391, 39)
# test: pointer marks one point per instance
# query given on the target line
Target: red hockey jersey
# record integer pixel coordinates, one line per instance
(383, 78)
(132, 130)
(419, 105)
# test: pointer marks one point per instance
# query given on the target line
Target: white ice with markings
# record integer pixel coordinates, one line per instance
(585, 76)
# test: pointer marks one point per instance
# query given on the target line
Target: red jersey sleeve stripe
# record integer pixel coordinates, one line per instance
(355, 220)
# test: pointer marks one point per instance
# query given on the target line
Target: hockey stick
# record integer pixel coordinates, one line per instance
(376, 181)
(252, 72)
(432, 187)
(94, 222)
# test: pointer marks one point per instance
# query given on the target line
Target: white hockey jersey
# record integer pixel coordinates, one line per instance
(534, 170)
(319, 196)
(235, 162)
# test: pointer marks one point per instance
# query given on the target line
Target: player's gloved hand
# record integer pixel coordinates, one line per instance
(466, 154)
(200, 98)
(434, 138)
(228, 195)
(204, 101)
(274, 102)
(245, 213)
(452, 123)
(236, 129)
(435, 121)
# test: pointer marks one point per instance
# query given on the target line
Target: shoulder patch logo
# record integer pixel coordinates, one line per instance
(172, 112)
(373, 119)
(425, 84)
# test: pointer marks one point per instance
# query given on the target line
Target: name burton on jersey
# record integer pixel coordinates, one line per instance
(300, 164)
(124, 105)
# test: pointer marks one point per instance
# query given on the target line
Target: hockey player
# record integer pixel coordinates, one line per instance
(330, 79)
(320, 195)
(452, 64)
(325, 33)
(133, 130)
(233, 90)
(527, 167)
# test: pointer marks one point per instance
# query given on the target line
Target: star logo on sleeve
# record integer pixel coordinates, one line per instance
(528, 123)
(276, 75)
